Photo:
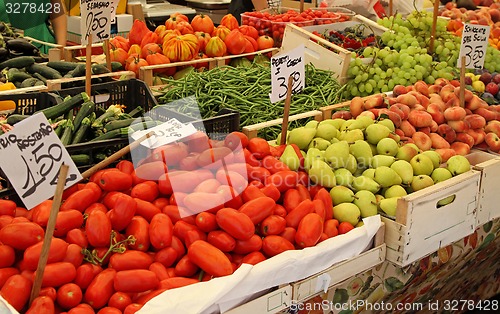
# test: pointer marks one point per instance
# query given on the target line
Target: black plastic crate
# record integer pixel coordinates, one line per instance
(29, 103)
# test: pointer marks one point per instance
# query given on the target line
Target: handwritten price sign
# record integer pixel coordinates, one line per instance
(96, 20)
(165, 133)
(473, 47)
(31, 156)
(282, 67)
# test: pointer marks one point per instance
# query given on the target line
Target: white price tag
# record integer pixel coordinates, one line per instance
(165, 133)
(323, 282)
(473, 47)
(114, 6)
(31, 156)
(283, 66)
(96, 20)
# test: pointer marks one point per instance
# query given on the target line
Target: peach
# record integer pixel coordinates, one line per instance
(422, 87)
(493, 141)
(454, 113)
(423, 100)
(455, 83)
(369, 114)
(374, 101)
(434, 126)
(460, 148)
(407, 99)
(459, 126)
(447, 92)
(422, 140)
(407, 128)
(410, 88)
(441, 81)
(453, 102)
(493, 126)
(398, 111)
(434, 89)
(404, 108)
(356, 106)
(477, 134)
(391, 100)
(420, 118)
(445, 131)
(476, 103)
(468, 95)
(438, 141)
(342, 114)
(436, 113)
(399, 132)
(465, 138)
(375, 112)
(395, 118)
(487, 113)
(468, 111)
(445, 153)
(399, 90)
(426, 130)
(475, 121)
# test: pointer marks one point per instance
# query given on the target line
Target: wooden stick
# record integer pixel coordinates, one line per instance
(122, 152)
(44, 254)
(434, 23)
(108, 57)
(391, 6)
(286, 112)
(462, 82)
(301, 6)
(88, 66)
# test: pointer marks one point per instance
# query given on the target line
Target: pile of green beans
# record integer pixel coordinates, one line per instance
(246, 90)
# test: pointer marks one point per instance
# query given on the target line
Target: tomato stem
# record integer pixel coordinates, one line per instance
(115, 247)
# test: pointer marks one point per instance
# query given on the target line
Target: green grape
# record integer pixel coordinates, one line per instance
(354, 90)
(368, 88)
(361, 88)
(364, 76)
(384, 89)
(357, 79)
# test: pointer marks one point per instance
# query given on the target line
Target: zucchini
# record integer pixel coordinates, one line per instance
(113, 110)
(65, 106)
(16, 75)
(62, 66)
(136, 111)
(124, 123)
(59, 130)
(85, 110)
(40, 77)
(17, 62)
(68, 129)
(80, 133)
(44, 70)
(81, 159)
(29, 82)
(78, 71)
(15, 118)
(142, 126)
(117, 133)
(99, 69)
(115, 66)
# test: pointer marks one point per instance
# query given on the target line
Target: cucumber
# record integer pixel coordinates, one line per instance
(15, 118)
(81, 159)
(40, 77)
(117, 133)
(68, 129)
(17, 62)
(99, 69)
(80, 133)
(85, 110)
(29, 82)
(65, 106)
(62, 66)
(78, 71)
(44, 70)
(16, 75)
(117, 124)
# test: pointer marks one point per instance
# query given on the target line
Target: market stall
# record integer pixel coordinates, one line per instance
(307, 160)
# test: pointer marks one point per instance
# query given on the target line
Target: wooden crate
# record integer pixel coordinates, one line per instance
(252, 130)
(489, 198)
(321, 282)
(272, 302)
(322, 53)
(57, 83)
(420, 228)
(146, 73)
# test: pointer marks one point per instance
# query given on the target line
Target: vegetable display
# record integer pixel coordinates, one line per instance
(246, 89)
(120, 239)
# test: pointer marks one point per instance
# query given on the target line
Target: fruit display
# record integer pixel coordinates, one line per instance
(179, 40)
(484, 84)
(350, 38)
(403, 59)
(272, 23)
(487, 14)
(252, 101)
(191, 211)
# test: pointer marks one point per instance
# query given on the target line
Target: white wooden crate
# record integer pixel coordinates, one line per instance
(489, 196)
(305, 289)
(420, 228)
(272, 302)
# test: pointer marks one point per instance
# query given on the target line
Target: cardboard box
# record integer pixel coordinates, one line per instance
(73, 7)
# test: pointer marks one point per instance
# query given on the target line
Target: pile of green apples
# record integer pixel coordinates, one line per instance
(365, 165)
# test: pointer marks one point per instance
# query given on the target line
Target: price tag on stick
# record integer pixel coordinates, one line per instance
(96, 20)
(473, 47)
(114, 6)
(31, 156)
(283, 66)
